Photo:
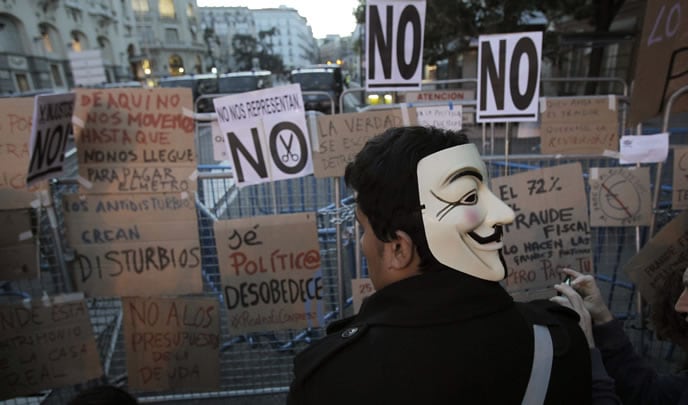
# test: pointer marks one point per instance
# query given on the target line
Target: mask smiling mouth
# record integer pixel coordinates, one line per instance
(496, 236)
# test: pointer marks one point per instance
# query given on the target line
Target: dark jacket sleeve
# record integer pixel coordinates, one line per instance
(602, 384)
(637, 383)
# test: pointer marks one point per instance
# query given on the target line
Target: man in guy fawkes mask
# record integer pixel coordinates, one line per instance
(439, 329)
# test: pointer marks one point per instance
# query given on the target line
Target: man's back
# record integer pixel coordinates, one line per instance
(441, 337)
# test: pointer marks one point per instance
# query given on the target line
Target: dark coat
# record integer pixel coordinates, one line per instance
(442, 337)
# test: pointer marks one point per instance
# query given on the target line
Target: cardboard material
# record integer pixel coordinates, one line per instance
(172, 343)
(620, 196)
(679, 198)
(361, 288)
(270, 271)
(15, 132)
(666, 252)
(579, 125)
(551, 228)
(661, 60)
(135, 140)
(44, 347)
(18, 250)
(342, 136)
(133, 244)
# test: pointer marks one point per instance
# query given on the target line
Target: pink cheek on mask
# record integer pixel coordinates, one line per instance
(472, 218)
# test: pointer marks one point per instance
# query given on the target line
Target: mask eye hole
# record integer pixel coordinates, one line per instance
(469, 199)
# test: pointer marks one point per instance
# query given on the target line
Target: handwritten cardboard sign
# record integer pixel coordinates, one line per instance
(579, 125)
(46, 346)
(270, 269)
(135, 140)
(661, 62)
(679, 198)
(551, 228)
(341, 137)
(50, 129)
(665, 253)
(18, 250)
(172, 343)
(620, 196)
(134, 244)
(361, 288)
(15, 132)
(266, 134)
(446, 117)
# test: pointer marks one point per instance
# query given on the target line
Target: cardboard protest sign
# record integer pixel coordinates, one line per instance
(579, 125)
(46, 346)
(620, 196)
(551, 228)
(133, 245)
(50, 129)
(266, 134)
(361, 288)
(270, 270)
(341, 137)
(135, 140)
(445, 117)
(15, 132)
(666, 252)
(662, 60)
(679, 197)
(509, 77)
(172, 343)
(18, 250)
(394, 44)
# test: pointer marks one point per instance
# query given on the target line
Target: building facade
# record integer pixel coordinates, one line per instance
(293, 39)
(137, 40)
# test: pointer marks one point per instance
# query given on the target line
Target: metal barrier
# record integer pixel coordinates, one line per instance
(261, 364)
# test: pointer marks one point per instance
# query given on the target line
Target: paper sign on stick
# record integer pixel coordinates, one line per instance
(172, 343)
(270, 268)
(509, 77)
(551, 227)
(579, 125)
(18, 250)
(666, 252)
(50, 129)
(620, 196)
(143, 244)
(266, 134)
(394, 44)
(15, 132)
(45, 347)
(679, 199)
(135, 140)
(342, 136)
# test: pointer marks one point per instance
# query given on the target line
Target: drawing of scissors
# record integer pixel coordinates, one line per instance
(288, 154)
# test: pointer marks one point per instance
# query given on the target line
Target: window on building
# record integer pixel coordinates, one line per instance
(140, 6)
(190, 10)
(171, 35)
(166, 9)
(57, 75)
(22, 82)
(176, 65)
(45, 39)
(76, 43)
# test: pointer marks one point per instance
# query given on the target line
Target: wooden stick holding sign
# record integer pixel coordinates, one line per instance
(395, 57)
(51, 126)
(267, 137)
(509, 77)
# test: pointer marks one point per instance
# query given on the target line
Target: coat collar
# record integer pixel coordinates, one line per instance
(436, 296)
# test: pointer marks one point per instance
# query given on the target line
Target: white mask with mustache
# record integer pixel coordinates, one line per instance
(462, 218)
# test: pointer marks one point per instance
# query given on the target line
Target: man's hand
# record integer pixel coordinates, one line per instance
(586, 286)
(571, 299)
